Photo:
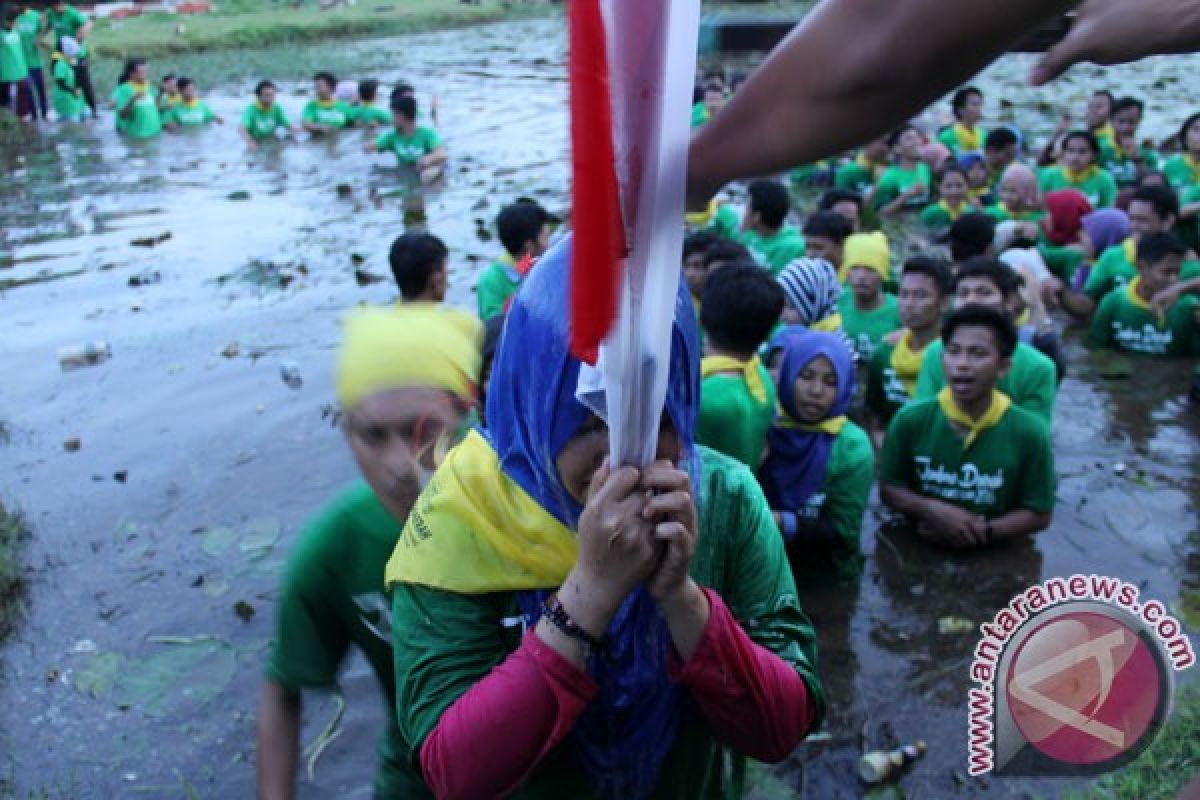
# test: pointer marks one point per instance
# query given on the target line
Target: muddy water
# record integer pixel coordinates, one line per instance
(158, 544)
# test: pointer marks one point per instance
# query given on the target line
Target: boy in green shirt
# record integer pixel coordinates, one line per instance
(190, 111)
(893, 370)
(953, 201)
(14, 74)
(968, 467)
(965, 135)
(868, 313)
(861, 174)
(137, 103)
(325, 114)
(742, 303)
(412, 144)
(825, 235)
(29, 26)
(1183, 170)
(524, 230)
(1124, 158)
(264, 118)
(906, 185)
(1137, 317)
(764, 228)
(398, 408)
(366, 113)
(1031, 380)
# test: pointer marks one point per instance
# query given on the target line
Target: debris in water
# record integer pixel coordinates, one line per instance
(1119, 468)
(344, 190)
(84, 646)
(240, 194)
(244, 610)
(120, 476)
(481, 231)
(265, 273)
(231, 350)
(72, 445)
(290, 372)
(151, 241)
(879, 766)
(955, 626)
(364, 278)
(358, 259)
(145, 278)
(83, 355)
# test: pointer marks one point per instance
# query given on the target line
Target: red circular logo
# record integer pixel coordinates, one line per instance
(1084, 688)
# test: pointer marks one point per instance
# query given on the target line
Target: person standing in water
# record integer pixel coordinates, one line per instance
(190, 111)
(263, 119)
(65, 20)
(65, 92)
(136, 102)
(413, 145)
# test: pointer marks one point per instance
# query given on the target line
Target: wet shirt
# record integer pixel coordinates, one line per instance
(64, 93)
(12, 58)
(1031, 383)
(1097, 186)
(896, 180)
(409, 149)
(145, 121)
(335, 113)
(1122, 324)
(1009, 466)
(262, 123)
(29, 25)
(496, 285)
(731, 420)
(866, 329)
(739, 554)
(775, 250)
(1124, 166)
(365, 114)
(67, 23)
(1114, 270)
(885, 390)
(189, 115)
(333, 597)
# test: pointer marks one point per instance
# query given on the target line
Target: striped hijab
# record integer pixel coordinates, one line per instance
(812, 288)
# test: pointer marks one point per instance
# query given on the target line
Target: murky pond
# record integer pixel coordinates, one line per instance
(159, 541)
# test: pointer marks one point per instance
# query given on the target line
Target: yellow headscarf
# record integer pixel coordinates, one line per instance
(423, 345)
(995, 412)
(866, 250)
(906, 363)
(749, 369)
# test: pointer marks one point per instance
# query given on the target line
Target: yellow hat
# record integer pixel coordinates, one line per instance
(866, 250)
(408, 346)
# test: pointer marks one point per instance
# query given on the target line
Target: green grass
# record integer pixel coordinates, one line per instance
(1166, 766)
(14, 532)
(260, 23)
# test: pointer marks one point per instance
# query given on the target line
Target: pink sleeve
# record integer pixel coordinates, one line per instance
(490, 739)
(754, 701)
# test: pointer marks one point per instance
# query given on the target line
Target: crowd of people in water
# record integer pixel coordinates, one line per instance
(544, 622)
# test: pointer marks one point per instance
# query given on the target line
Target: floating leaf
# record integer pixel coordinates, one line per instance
(240, 194)
(244, 610)
(99, 676)
(259, 536)
(217, 540)
(187, 671)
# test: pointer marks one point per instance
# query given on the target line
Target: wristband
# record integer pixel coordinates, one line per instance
(558, 617)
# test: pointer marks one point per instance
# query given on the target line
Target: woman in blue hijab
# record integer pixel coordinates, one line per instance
(819, 466)
(564, 628)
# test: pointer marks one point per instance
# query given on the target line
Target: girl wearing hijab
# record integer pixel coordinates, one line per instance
(1101, 230)
(66, 94)
(1019, 196)
(819, 466)
(567, 628)
(1060, 232)
(812, 289)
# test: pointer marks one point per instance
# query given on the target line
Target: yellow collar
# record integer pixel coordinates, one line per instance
(906, 362)
(832, 426)
(264, 109)
(1129, 246)
(139, 87)
(954, 212)
(969, 139)
(190, 103)
(830, 324)
(1080, 177)
(1135, 299)
(1106, 132)
(326, 103)
(710, 365)
(995, 412)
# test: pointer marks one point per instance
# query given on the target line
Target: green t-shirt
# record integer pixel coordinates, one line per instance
(189, 116)
(67, 23)
(29, 26)
(775, 250)
(699, 115)
(1121, 324)
(885, 391)
(447, 642)
(496, 284)
(409, 149)
(1031, 383)
(938, 217)
(333, 597)
(364, 114)
(1008, 467)
(725, 222)
(949, 137)
(12, 58)
(854, 176)
(731, 421)
(64, 92)
(262, 124)
(1099, 188)
(866, 329)
(896, 180)
(1000, 213)
(1182, 172)
(335, 113)
(1124, 167)
(1062, 260)
(1113, 271)
(145, 121)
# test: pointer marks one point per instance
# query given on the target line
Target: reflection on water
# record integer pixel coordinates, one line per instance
(219, 452)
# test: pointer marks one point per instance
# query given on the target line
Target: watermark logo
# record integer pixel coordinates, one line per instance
(1074, 677)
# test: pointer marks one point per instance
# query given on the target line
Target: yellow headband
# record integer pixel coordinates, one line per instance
(868, 250)
(408, 346)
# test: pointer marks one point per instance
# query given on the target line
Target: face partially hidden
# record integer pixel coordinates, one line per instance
(823, 247)
(1144, 219)
(1010, 194)
(1161, 275)
(1192, 140)
(1125, 123)
(972, 363)
(919, 301)
(815, 391)
(585, 452)
(695, 274)
(865, 283)
(397, 437)
(1098, 109)
(980, 292)
(851, 212)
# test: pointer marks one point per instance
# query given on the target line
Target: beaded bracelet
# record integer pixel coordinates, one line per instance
(557, 615)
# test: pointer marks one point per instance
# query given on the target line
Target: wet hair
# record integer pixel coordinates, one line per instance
(1162, 198)
(697, 94)
(828, 224)
(1126, 103)
(405, 105)
(1087, 137)
(971, 235)
(974, 315)
(1154, 247)
(519, 224)
(893, 138)
(415, 258)
(1000, 138)
(959, 102)
(325, 77)
(402, 88)
(698, 242)
(771, 200)
(1002, 276)
(368, 89)
(131, 65)
(726, 251)
(263, 86)
(1187, 126)
(740, 305)
(937, 270)
(184, 83)
(834, 196)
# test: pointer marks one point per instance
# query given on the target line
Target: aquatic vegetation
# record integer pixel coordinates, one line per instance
(14, 532)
